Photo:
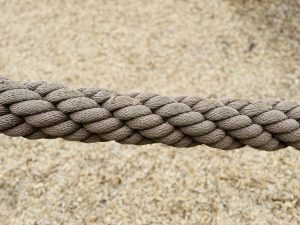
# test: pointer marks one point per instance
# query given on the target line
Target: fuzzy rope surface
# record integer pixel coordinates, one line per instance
(39, 109)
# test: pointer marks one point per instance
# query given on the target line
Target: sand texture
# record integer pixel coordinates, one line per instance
(234, 48)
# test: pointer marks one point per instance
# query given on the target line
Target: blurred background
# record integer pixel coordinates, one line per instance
(235, 48)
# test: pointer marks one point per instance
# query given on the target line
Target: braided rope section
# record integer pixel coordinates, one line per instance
(39, 109)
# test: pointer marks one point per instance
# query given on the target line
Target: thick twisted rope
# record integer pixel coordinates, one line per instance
(38, 109)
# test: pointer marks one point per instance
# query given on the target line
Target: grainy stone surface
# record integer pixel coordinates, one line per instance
(243, 49)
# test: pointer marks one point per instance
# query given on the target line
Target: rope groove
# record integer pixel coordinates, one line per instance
(38, 109)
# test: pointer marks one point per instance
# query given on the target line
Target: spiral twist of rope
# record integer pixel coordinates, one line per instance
(39, 109)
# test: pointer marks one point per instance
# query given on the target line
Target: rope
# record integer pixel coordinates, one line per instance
(39, 109)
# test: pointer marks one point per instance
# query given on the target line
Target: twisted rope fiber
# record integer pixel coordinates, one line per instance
(39, 109)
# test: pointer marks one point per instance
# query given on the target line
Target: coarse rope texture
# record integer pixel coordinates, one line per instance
(39, 109)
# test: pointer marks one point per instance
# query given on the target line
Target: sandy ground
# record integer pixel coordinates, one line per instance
(243, 49)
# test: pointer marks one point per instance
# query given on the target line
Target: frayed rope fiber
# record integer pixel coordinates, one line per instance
(39, 109)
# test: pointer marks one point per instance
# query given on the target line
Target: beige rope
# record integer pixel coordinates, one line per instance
(38, 109)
